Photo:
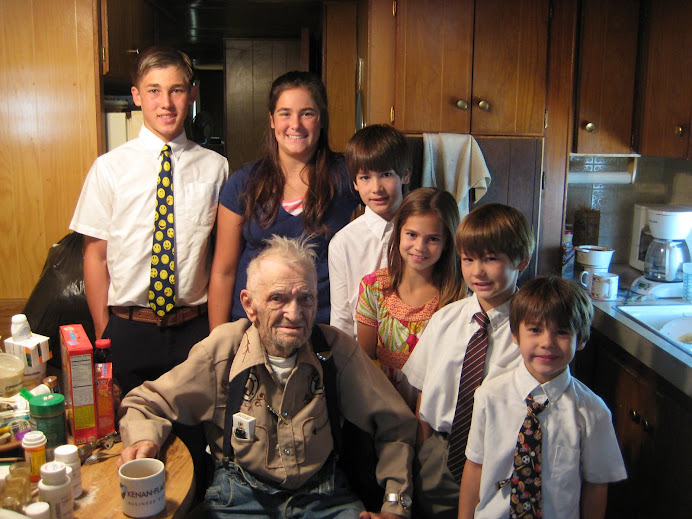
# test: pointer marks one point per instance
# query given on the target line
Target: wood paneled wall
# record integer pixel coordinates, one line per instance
(50, 128)
(339, 50)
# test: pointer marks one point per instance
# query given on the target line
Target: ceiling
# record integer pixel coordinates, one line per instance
(199, 26)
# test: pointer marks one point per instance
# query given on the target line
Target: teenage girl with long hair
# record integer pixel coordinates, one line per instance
(299, 186)
(422, 276)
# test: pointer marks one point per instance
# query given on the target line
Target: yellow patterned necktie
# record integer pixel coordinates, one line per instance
(162, 283)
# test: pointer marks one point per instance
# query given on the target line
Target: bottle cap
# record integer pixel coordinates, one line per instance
(103, 343)
(33, 439)
(66, 453)
(53, 472)
(49, 403)
(38, 510)
(51, 381)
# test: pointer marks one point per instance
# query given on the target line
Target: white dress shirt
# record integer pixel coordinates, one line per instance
(117, 204)
(434, 366)
(358, 249)
(578, 441)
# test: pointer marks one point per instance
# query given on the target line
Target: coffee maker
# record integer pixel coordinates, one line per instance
(670, 227)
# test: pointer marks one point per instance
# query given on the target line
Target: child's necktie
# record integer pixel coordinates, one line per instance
(471, 375)
(525, 499)
(162, 283)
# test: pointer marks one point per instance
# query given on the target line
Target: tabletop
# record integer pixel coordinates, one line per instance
(101, 496)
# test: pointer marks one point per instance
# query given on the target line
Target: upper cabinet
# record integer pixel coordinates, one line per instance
(465, 66)
(127, 27)
(667, 92)
(606, 76)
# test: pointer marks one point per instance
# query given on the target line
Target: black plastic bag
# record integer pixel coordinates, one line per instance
(58, 297)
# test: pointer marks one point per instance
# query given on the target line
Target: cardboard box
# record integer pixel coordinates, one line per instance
(105, 412)
(33, 351)
(78, 383)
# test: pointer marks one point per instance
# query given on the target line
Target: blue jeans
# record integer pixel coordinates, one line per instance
(236, 493)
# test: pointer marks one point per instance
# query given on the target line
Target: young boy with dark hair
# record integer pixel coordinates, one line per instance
(541, 443)
(465, 342)
(379, 164)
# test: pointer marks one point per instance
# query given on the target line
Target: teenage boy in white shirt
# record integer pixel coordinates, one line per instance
(578, 456)
(116, 212)
(379, 164)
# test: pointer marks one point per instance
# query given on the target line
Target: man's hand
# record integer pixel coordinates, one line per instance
(141, 449)
(381, 515)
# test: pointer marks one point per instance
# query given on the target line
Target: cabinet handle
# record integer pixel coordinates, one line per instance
(635, 416)
(679, 131)
(484, 105)
(590, 127)
(646, 426)
(132, 51)
(462, 105)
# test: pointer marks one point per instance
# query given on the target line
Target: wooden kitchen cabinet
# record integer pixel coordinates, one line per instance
(606, 76)
(127, 28)
(653, 424)
(666, 116)
(465, 66)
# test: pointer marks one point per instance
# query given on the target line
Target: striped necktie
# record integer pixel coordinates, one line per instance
(525, 500)
(471, 376)
(162, 282)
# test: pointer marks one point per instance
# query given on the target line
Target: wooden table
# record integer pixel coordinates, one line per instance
(101, 498)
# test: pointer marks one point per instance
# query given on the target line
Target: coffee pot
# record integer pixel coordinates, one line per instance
(664, 260)
(670, 228)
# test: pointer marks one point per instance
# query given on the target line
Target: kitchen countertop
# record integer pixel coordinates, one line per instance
(653, 351)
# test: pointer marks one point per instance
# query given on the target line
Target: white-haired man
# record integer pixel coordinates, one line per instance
(288, 464)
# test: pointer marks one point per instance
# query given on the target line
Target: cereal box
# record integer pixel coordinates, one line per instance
(78, 383)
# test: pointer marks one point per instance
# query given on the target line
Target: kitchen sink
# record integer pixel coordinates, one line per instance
(654, 317)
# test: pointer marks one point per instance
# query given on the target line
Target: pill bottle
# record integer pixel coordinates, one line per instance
(20, 328)
(38, 510)
(55, 489)
(34, 445)
(69, 455)
(47, 414)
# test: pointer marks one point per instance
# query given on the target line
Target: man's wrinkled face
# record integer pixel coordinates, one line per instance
(282, 303)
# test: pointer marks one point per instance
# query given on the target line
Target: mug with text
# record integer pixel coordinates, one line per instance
(605, 286)
(587, 275)
(142, 487)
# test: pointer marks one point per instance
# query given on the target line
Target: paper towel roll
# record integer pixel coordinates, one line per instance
(618, 177)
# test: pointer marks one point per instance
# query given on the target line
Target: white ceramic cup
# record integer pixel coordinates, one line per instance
(142, 487)
(605, 286)
(587, 275)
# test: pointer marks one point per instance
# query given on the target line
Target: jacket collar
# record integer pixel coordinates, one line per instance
(251, 353)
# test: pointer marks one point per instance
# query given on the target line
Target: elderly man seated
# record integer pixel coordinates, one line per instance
(287, 466)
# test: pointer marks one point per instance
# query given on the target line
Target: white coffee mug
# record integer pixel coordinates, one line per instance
(142, 487)
(587, 275)
(605, 286)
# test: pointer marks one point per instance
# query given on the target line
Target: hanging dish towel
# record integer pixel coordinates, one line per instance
(454, 162)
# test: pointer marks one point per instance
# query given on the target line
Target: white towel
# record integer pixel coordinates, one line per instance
(454, 162)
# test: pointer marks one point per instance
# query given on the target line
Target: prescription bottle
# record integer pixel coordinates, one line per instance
(34, 445)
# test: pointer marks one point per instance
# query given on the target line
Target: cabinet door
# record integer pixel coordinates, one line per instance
(667, 97)
(605, 102)
(653, 424)
(630, 402)
(509, 67)
(127, 27)
(433, 65)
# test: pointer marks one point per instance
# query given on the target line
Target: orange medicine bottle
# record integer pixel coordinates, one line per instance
(34, 445)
